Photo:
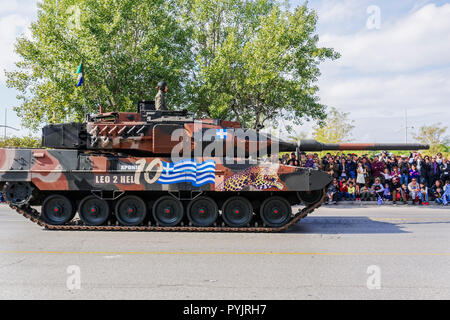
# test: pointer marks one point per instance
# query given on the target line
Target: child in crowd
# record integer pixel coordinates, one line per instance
(360, 176)
(395, 173)
(351, 191)
(387, 192)
(404, 193)
(332, 192)
(365, 193)
(387, 175)
(438, 194)
(423, 194)
(413, 173)
(377, 188)
(343, 190)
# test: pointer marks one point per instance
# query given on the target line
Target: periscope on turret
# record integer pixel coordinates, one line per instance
(165, 169)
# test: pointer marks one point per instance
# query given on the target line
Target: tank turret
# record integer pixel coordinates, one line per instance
(150, 131)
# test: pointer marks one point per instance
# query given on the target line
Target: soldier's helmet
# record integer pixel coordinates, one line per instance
(162, 85)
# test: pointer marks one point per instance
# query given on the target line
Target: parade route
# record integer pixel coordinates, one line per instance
(329, 255)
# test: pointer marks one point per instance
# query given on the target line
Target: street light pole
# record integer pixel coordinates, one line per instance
(406, 126)
(5, 126)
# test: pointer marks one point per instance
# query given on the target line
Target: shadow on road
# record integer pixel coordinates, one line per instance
(345, 225)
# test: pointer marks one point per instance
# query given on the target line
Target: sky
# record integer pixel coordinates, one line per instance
(395, 60)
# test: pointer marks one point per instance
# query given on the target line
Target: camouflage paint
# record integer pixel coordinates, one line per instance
(63, 170)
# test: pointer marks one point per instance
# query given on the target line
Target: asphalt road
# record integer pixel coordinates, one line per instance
(328, 255)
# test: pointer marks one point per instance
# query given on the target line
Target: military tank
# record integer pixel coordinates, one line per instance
(164, 171)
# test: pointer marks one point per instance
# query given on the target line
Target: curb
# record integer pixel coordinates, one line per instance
(385, 203)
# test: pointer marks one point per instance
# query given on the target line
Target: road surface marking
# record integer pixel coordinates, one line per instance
(232, 253)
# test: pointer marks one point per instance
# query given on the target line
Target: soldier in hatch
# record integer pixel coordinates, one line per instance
(160, 99)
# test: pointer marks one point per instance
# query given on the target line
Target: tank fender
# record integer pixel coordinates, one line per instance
(15, 164)
(306, 179)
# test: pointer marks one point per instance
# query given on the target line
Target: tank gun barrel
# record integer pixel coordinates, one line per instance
(313, 145)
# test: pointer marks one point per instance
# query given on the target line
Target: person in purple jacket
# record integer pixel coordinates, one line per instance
(309, 162)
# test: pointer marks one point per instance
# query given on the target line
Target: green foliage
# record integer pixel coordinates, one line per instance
(126, 47)
(337, 128)
(256, 61)
(434, 135)
(20, 142)
(445, 148)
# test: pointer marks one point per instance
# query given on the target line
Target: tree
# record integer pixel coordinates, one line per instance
(337, 128)
(256, 61)
(20, 142)
(126, 47)
(434, 135)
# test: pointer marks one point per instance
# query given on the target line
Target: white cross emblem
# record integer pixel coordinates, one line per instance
(221, 133)
(167, 167)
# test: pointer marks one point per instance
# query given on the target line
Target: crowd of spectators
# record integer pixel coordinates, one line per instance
(415, 178)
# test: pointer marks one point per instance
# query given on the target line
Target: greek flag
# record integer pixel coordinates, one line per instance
(80, 79)
(221, 134)
(188, 171)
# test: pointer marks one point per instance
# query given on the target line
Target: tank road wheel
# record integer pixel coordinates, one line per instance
(237, 212)
(168, 211)
(93, 211)
(57, 210)
(130, 210)
(310, 197)
(202, 212)
(275, 211)
(18, 193)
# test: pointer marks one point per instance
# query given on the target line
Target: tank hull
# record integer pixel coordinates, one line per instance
(37, 177)
(70, 170)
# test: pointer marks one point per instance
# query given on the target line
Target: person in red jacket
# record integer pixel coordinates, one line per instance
(343, 189)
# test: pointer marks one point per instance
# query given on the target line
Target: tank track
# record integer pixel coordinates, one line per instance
(77, 225)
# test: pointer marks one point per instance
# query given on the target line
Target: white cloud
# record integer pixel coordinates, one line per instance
(422, 93)
(22, 7)
(7, 6)
(15, 19)
(421, 39)
(11, 26)
(404, 65)
(337, 11)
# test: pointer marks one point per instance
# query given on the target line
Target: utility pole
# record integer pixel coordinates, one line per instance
(5, 126)
(406, 126)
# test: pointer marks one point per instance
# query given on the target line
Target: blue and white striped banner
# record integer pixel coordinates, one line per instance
(188, 171)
